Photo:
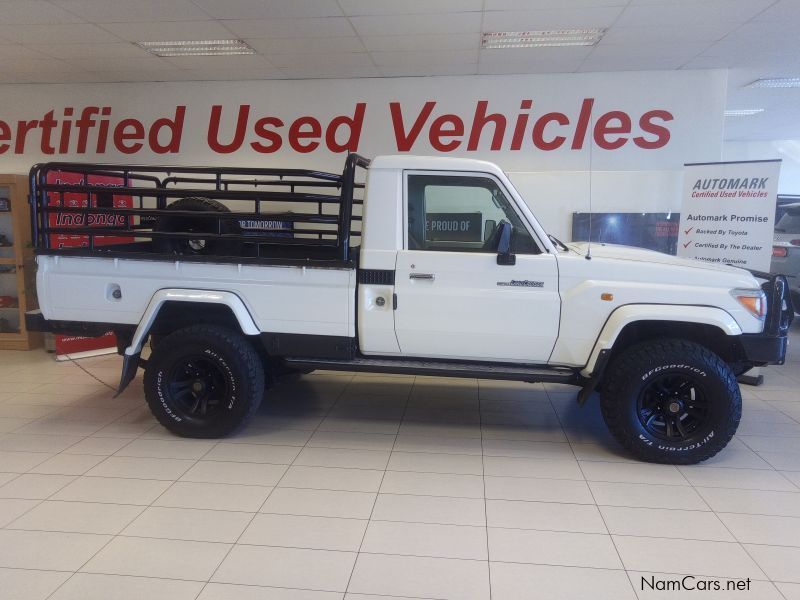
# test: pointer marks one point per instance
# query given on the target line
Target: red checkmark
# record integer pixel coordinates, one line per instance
(686, 245)
(688, 230)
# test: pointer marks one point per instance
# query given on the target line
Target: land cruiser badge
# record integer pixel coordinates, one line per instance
(521, 283)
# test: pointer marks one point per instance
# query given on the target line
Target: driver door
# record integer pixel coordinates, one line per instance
(453, 299)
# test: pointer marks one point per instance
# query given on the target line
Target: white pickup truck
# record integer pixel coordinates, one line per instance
(431, 266)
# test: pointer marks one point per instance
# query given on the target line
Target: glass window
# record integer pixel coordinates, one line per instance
(461, 214)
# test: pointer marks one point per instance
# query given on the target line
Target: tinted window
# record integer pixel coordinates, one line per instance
(461, 214)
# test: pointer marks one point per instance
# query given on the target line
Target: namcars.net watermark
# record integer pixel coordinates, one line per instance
(692, 583)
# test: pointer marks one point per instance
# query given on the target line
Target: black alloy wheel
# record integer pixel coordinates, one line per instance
(673, 407)
(198, 386)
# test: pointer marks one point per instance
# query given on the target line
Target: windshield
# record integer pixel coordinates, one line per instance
(789, 222)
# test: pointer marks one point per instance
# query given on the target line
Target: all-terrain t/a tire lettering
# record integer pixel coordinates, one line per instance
(204, 381)
(671, 401)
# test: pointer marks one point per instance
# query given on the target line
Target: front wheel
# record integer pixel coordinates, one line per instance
(671, 401)
(204, 381)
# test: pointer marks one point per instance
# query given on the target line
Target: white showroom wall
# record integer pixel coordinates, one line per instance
(537, 127)
(787, 150)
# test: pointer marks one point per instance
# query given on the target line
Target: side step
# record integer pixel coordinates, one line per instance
(473, 370)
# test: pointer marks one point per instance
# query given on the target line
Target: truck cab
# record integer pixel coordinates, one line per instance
(429, 265)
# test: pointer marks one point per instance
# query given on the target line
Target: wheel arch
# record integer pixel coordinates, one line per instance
(170, 309)
(709, 326)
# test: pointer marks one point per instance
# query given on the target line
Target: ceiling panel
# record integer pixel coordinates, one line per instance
(73, 33)
(254, 61)
(154, 31)
(395, 43)
(67, 51)
(408, 7)
(120, 11)
(296, 61)
(677, 14)
(522, 67)
(611, 52)
(103, 63)
(335, 70)
(220, 62)
(428, 70)
(35, 67)
(524, 20)
(290, 28)
(535, 56)
(550, 4)
(707, 32)
(269, 9)
(416, 24)
(206, 74)
(785, 11)
(422, 58)
(34, 12)
(12, 52)
(313, 45)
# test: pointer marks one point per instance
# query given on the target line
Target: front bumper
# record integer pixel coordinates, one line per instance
(764, 350)
(769, 346)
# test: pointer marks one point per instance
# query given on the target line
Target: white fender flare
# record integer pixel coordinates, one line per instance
(228, 299)
(625, 315)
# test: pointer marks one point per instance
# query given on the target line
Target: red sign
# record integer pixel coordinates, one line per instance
(103, 197)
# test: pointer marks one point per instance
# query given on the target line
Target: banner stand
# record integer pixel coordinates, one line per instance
(728, 217)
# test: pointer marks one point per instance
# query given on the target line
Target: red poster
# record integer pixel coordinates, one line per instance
(69, 344)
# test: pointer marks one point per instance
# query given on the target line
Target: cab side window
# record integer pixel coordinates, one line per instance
(461, 214)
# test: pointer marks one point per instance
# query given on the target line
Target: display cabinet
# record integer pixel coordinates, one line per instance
(17, 265)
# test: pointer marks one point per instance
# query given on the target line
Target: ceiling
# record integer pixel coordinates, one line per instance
(47, 41)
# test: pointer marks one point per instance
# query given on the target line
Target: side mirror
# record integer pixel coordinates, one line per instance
(504, 256)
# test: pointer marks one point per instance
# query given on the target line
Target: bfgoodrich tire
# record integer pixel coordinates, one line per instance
(671, 401)
(204, 381)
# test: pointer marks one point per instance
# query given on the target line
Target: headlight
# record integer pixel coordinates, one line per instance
(755, 301)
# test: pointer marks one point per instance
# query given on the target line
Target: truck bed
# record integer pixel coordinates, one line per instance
(280, 299)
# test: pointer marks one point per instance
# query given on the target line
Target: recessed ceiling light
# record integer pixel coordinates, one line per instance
(541, 39)
(743, 112)
(197, 48)
(775, 82)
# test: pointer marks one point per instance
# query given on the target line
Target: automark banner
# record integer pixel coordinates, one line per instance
(728, 212)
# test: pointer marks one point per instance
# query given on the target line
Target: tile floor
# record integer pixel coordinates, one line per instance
(375, 486)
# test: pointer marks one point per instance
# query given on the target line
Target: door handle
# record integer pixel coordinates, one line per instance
(427, 276)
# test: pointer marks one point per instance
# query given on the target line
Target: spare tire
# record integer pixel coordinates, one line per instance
(184, 224)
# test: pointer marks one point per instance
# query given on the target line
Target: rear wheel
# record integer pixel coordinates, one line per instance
(671, 401)
(204, 381)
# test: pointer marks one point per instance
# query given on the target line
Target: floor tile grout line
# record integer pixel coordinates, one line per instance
(567, 566)
(40, 500)
(602, 516)
(378, 492)
(514, 477)
(485, 503)
(115, 536)
(277, 483)
(530, 529)
(740, 544)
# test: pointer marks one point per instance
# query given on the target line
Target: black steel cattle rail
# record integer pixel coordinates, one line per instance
(316, 206)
